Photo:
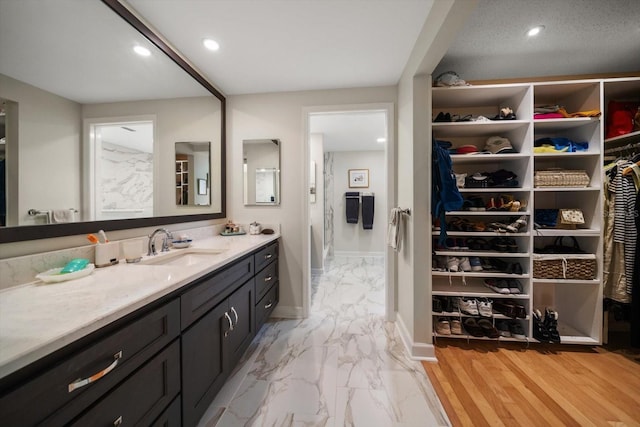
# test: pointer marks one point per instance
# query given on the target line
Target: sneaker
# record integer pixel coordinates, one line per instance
(515, 287)
(456, 326)
(476, 264)
(540, 331)
(499, 286)
(462, 244)
(505, 308)
(503, 328)
(477, 204)
(452, 263)
(464, 264)
(468, 306)
(518, 225)
(485, 307)
(551, 323)
(447, 304)
(516, 330)
(443, 327)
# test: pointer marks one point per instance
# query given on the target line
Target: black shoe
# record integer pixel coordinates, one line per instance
(540, 331)
(551, 323)
(436, 305)
(448, 304)
(442, 117)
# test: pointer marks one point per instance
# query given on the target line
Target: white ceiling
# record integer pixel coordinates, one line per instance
(580, 37)
(284, 45)
(357, 131)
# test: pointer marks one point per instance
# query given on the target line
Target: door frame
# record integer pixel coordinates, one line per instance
(390, 159)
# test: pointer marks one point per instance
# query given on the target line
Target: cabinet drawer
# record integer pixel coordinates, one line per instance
(213, 289)
(142, 397)
(266, 305)
(115, 356)
(171, 417)
(265, 279)
(266, 255)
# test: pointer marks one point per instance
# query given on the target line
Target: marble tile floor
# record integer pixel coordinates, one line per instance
(343, 366)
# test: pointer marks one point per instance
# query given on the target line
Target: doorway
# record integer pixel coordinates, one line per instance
(349, 149)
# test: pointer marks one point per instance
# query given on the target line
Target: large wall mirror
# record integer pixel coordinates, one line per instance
(90, 130)
(261, 171)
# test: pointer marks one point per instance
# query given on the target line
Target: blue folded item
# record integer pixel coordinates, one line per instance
(561, 144)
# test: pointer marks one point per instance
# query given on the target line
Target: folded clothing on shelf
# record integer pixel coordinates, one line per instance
(559, 144)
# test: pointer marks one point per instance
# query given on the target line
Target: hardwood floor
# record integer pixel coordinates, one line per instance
(486, 383)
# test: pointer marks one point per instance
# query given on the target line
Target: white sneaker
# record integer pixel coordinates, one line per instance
(519, 225)
(456, 327)
(468, 306)
(452, 263)
(464, 264)
(443, 327)
(485, 306)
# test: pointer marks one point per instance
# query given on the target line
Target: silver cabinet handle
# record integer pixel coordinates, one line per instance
(79, 383)
(235, 313)
(230, 324)
(269, 304)
(118, 421)
(268, 256)
(268, 278)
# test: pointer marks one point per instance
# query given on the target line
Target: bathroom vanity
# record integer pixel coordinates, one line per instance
(167, 336)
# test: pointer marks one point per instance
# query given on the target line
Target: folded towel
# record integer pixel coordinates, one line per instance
(62, 215)
(395, 229)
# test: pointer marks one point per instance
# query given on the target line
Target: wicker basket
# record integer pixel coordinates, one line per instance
(561, 178)
(564, 266)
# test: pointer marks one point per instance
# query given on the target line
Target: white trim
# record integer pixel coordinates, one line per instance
(417, 351)
(357, 253)
(390, 265)
(317, 271)
(288, 312)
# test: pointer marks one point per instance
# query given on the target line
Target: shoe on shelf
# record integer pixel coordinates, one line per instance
(443, 327)
(488, 329)
(540, 331)
(464, 265)
(462, 244)
(456, 326)
(503, 328)
(476, 264)
(518, 225)
(491, 205)
(436, 305)
(472, 327)
(485, 307)
(447, 304)
(551, 323)
(505, 308)
(520, 311)
(515, 287)
(442, 117)
(514, 268)
(499, 286)
(516, 329)
(452, 263)
(477, 203)
(468, 306)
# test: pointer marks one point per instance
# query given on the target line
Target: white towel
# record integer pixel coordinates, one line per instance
(62, 215)
(394, 233)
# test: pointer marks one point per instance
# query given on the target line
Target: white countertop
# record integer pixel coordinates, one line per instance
(38, 318)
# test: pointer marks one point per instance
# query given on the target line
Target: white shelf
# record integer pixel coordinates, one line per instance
(561, 282)
(491, 158)
(479, 234)
(494, 190)
(566, 155)
(496, 315)
(480, 274)
(477, 292)
(477, 129)
(484, 253)
(621, 140)
(564, 189)
(542, 232)
(487, 213)
(553, 125)
(467, 337)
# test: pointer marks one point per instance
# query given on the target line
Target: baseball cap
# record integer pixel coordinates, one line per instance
(467, 149)
(498, 144)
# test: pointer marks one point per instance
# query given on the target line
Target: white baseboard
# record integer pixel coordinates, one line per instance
(287, 312)
(417, 351)
(355, 253)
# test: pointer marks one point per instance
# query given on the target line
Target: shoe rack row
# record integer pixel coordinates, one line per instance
(492, 239)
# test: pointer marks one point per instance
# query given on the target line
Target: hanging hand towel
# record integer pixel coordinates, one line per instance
(62, 215)
(394, 231)
(367, 212)
(352, 202)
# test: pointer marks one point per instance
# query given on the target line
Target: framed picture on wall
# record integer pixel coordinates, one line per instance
(358, 178)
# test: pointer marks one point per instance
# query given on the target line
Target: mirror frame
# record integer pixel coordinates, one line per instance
(35, 232)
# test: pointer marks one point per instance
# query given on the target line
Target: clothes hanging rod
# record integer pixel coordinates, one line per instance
(405, 211)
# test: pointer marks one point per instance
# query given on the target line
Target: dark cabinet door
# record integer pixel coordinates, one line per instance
(203, 371)
(242, 312)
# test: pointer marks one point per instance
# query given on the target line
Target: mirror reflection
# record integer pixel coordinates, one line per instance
(192, 173)
(70, 115)
(261, 170)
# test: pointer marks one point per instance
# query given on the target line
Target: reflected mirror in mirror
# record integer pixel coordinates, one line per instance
(261, 170)
(86, 75)
(193, 162)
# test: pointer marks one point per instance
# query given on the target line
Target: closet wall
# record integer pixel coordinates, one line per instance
(579, 302)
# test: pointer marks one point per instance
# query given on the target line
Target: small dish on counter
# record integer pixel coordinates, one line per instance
(54, 276)
(181, 244)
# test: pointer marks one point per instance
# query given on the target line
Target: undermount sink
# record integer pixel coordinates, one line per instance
(183, 257)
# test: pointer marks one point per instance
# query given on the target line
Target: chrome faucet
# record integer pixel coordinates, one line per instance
(165, 241)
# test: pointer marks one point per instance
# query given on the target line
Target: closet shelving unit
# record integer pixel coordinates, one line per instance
(578, 302)
(487, 101)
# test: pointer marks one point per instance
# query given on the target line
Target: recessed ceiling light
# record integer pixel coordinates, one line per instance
(211, 44)
(142, 51)
(381, 140)
(535, 30)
